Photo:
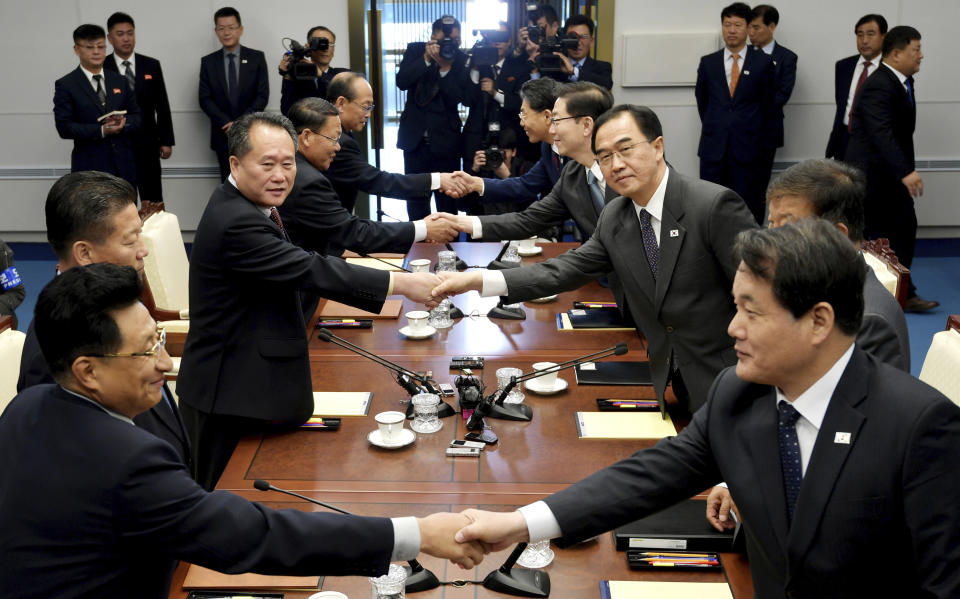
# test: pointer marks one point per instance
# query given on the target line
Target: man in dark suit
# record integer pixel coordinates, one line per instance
(233, 82)
(92, 217)
(292, 89)
(763, 23)
(833, 458)
(735, 98)
(91, 506)
(82, 97)
(245, 365)
(669, 241)
(429, 132)
(850, 74)
(577, 64)
(881, 144)
(145, 78)
(350, 171)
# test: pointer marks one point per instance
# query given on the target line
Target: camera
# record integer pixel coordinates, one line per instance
(448, 45)
(484, 53)
(300, 70)
(470, 390)
(547, 62)
(492, 151)
(534, 31)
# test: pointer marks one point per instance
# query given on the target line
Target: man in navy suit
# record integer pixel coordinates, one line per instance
(735, 98)
(762, 26)
(233, 82)
(291, 89)
(577, 64)
(145, 78)
(849, 74)
(83, 96)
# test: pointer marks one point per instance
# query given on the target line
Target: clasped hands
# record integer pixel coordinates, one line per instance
(466, 537)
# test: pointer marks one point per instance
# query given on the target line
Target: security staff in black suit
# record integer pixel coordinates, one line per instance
(881, 144)
(83, 96)
(429, 132)
(350, 171)
(245, 366)
(144, 76)
(293, 90)
(92, 217)
(850, 74)
(92, 506)
(233, 82)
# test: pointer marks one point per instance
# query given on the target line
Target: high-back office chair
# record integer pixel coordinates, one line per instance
(11, 346)
(166, 276)
(884, 263)
(943, 361)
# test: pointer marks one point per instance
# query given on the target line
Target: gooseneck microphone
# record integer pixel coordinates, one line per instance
(523, 583)
(418, 578)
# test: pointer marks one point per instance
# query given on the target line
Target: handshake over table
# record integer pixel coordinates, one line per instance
(466, 537)
(459, 184)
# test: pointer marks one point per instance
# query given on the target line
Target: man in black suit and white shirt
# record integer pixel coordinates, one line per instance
(849, 74)
(233, 82)
(293, 90)
(145, 78)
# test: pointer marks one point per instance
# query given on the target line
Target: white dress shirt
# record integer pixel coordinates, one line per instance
(768, 49)
(903, 78)
(728, 61)
(123, 69)
(857, 70)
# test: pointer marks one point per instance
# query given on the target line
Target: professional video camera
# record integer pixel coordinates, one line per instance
(547, 61)
(484, 53)
(492, 151)
(448, 45)
(299, 69)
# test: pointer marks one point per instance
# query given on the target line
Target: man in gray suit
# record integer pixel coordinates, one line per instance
(670, 242)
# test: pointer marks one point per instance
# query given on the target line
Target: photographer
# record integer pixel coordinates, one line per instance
(435, 77)
(577, 64)
(322, 42)
(502, 162)
(562, 54)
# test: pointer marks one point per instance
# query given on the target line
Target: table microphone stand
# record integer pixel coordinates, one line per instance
(522, 583)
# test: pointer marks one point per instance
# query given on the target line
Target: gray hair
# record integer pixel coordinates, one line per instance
(311, 113)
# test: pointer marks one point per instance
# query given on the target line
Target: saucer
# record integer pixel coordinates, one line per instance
(426, 332)
(534, 385)
(543, 300)
(404, 438)
(536, 251)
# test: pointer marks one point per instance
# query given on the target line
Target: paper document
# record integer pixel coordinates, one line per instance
(631, 589)
(332, 403)
(618, 425)
(395, 263)
(564, 324)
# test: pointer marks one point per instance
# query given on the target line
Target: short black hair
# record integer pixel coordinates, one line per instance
(321, 28)
(647, 121)
(769, 14)
(737, 9)
(835, 190)
(311, 113)
(438, 24)
(227, 11)
(872, 18)
(88, 32)
(72, 316)
(540, 94)
(508, 139)
(549, 13)
(238, 138)
(899, 38)
(579, 20)
(341, 85)
(119, 17)
(584, 98)
(81, 206)
(805, 263)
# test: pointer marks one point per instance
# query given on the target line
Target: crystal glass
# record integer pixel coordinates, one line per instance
(503, 379)
(446, 261)
(440, 316)
(425, 418)
(536, 555)
(512, 254)
(390, 585)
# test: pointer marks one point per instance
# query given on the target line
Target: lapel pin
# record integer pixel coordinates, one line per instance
(243, 62)
(116, 90)
(842, 438)
(674, 233)
(148, 76)
(746, 72)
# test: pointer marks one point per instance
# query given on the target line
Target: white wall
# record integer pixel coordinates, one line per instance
(820, 32)
(36, 39)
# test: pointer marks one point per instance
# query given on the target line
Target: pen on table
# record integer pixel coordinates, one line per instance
(348, 322)
(670, 554)
(680, 560)
(686, 565)
(595, 304)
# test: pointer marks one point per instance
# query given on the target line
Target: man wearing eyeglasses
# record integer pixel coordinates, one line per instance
(233, 82)
(577, 65)
(81, 101)
(293, 90)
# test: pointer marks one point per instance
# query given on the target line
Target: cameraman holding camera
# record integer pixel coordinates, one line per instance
(299, 83)
(562, 54)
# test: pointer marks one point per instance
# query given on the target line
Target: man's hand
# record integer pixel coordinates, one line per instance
(488, 85)
(495, 530)
(114, 125)
(719, 504)
(914, 184)
(226, 128)
(441, 227)
(284, 66)
(165, 152)
(469, 181)
(417, 286)
(463, 223)
(479, 160)
(432, 52)
(455, 283)
(437, 539)
(567, 67)
(453, 186)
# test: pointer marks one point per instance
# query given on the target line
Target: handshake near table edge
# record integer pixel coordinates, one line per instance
(466, 537)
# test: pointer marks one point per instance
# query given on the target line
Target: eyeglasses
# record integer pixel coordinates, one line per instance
(225, 28)
(154, 351)
(365, 107)
(335, 140)
(555, 120)
(624, 153)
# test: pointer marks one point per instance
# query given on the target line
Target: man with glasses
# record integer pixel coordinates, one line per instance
(350, 172)
(81, 101)
(293, 90)
(670, 242)
(233, 82)
(577, 65)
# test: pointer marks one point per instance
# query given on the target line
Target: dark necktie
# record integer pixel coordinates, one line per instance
(856, 90)
(596, 193)
(275, 217)
(556, 161)
(789, 454)
(232, 91)
(101, 93)
(909, 84)
(650, 242)
(128, 73)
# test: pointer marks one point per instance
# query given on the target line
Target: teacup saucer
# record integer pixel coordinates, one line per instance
(534, 251)
(404, 437)
(543, 300)
(409, 334)
(535, 386)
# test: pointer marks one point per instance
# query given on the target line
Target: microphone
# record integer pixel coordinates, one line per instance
(390, 264)
(408, 379)
(525, 583)
(418, 578)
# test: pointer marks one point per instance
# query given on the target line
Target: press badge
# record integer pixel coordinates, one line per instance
(10, 278)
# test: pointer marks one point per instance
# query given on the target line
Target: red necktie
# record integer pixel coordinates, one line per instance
(275, 217)
(863, 77)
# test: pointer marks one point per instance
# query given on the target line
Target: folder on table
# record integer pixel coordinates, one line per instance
(349, 403)
(631, 589)
(598, 318)
(614, 373)
(202, 578)
(617, 425)
(564, 324)
(381, 264)
(680, 527)
(331, 309)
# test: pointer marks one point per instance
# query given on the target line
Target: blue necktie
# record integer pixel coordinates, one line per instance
(650, 242)
(789, 454)
(232, 91)
(595, 192)
(909, 83)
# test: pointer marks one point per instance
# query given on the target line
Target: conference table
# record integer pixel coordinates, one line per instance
(532, 459)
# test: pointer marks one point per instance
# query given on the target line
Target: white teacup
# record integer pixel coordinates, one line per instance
(420, 265)
(417, 320)
(390, 424)
(547, 381)
(528, 244)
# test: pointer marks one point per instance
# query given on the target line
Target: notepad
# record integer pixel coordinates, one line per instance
(631, 589)
(616, 425)
(333, 403)
(564, 324)
(598, 318)
(394, 263)
(202, 578)
(331, 309)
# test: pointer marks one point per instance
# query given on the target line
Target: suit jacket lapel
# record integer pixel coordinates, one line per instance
(627, 238)
(84, 84)
(669, 244)
(760, 432)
